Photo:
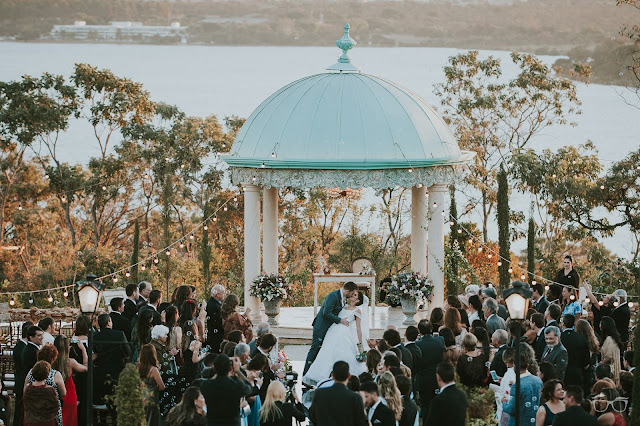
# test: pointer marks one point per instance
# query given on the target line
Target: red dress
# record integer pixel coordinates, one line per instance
(70, 404)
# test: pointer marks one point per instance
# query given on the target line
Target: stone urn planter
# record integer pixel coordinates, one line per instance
(272, 309)
(409, 308)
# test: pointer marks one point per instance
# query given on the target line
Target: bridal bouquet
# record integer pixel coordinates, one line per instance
(362, 354)
(407, 284)
(270, 287)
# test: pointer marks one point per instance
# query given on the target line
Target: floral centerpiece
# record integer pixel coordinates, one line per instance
(407, 288)
(412, 285)
(270, 287)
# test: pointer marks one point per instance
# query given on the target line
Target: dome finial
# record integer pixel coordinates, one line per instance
(345, 43)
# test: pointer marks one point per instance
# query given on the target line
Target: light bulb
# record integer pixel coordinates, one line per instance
(12, 302)
(534, 282)
(253, 178)
(19, 206)
(50, 299)
(459, 231)
(470, 240)
(215, 219)
(262, 165)
(104, 188)
(546, 287)
(63, 199)
(510, 270)
(206, 228)
(273, 154)
(572, 297)
(419, 185)
(191, 237)
(66, 293)
(31, 299)
(168, 252)
(143, 267)
(489, 255)
(522, 277)
(235, 198)
(115, 279)
(181, 245)
(155, 260)
(225, 208)
(451, 223)
(499, 263)
(182, 166)
(410, 170)
(479, 249)
(630, 304)
(616, 304)
(127, 274)
(601, 303)
(601, 186)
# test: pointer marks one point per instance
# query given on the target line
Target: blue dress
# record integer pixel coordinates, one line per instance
(530, 387)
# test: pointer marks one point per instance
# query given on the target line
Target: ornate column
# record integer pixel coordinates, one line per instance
(251, 246)
(418, 229)
(270, 230)
(435, 262)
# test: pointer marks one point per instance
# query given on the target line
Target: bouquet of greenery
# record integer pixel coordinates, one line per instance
(407, 284)
(270, 287)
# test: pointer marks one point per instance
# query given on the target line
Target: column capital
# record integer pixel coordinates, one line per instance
(249, 187)
(439, 187)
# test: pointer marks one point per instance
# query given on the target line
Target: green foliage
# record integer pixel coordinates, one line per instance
(129, 398)
(451, 265)
(205, 253)
(458, 272)
(504, 241)
(531, 250)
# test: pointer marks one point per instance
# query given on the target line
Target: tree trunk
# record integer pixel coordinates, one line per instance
(503, 228)
(531, 250)
(205, 254)
(166, 224)
(485, 216)
(134, 253)
(453, 235)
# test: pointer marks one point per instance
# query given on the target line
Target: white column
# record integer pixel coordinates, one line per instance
(251, 247)
(270, 230)
(437, 194)
(418, 229)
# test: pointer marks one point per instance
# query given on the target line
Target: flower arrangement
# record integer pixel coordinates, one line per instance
(282, 358)
(362, 354)
(270, 287)
(407, 285)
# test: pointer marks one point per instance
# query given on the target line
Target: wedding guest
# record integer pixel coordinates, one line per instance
(20, 372)
(567, 276)
(377, 411)
(159, 340)
(475, 309)
(547, 371)
(530, 387)
(49, 353)
(150, 376)
(552, 395)
(67, 366)
(555, 352)
(261, 329)
(111, 352)
(493, 321)
(190, 411)
(509, 378)
(574, 414)
(373, 359)
(118, 319)
(611, 347)
(499, 341)
(215, 328)
(233, 320)
(389, 391)
(449, 406)
(174, 342)
(583, 328)
(224, 392)
(182, 293)
(453, 322)
(276, 411)
(410, 336)
(472, 364)
(452, 351)
(621, 315)
(48, 327)
(570, 302)
(437, 317)
(81, 338)
(191, 353)
(141, 334)
(410, 412)
(599, 309)
(393, 339)
(609, 413)
(131, 302)
(144, 290)
(577, 350)
(540, 303)
(40, 400)
(432, 349)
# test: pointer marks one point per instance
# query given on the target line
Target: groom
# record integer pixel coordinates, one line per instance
(327, 316)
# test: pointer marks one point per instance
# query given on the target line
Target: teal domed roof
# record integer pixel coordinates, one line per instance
(343, 120)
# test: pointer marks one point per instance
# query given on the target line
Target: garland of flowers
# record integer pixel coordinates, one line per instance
(408, 285)
(270, 287)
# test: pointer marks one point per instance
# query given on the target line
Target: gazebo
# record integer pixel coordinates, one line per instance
(345, 129)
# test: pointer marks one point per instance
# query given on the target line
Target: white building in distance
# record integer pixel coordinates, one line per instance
(117, 30)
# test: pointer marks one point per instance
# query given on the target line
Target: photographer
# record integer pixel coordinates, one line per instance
(277, 412)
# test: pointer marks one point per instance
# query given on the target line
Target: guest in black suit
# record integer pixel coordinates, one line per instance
(223, 393)
(552, 315)
(432, 349)
(393, 339)
(449, 407)
(215, 329)
(337, 405)
(499, 340)
(409, 408)
(20, 372)
(35, 337)
(410, 336)
(555, 352)
(622, 315)
(578, 352)
(131, 302)
(144, 289)
(120, 323)
(537, 325)
(377, 412)
(540, 303)
(155, 299)
(112, 351)
(574, 414)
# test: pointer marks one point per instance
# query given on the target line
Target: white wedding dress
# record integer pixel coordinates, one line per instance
(339, 344)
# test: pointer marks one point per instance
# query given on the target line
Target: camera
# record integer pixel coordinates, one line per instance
(291, 377)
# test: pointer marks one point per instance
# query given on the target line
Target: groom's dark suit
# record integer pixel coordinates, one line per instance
(327, 315)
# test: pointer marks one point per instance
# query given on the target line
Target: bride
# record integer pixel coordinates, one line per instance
(342, 343)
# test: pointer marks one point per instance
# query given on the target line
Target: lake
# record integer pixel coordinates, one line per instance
(226, 80)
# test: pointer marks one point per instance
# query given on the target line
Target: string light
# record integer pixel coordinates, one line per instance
(534, 282)
(225, 208)
(601, 186)
(419, 185)
(104, 188)
(479, 249)
(553, 175)
(63, 199)
(451, 223)
(630, 304)
(459, 231)
(273, 155)
(489, 256)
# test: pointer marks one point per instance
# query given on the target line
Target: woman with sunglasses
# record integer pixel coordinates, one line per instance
(609, 407)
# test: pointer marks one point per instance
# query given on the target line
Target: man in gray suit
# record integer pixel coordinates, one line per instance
(555, 352)
(328, 315)
(494, 322)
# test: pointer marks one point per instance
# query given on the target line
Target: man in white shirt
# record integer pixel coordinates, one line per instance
(48, 327)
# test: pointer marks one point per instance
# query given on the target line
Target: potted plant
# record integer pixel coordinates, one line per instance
(130, 398)
(408, 288)
(271, 289)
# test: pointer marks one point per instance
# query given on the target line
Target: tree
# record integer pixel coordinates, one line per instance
(495, 118)
(205, 253)
(633, 34)
(504, 239)
(135, 251)
(129, 397)
(452, 264)
(531, 248)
